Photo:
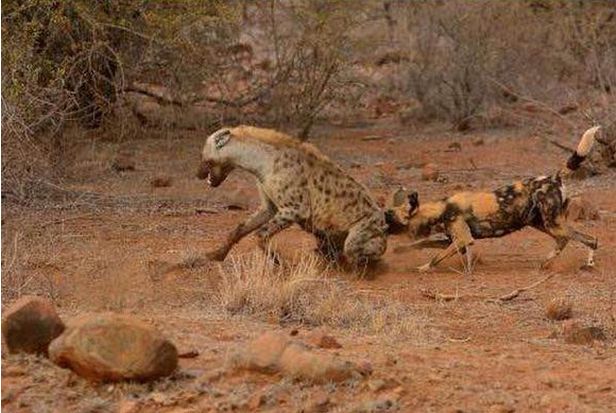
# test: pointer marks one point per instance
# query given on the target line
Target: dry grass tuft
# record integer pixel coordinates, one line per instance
(303, 293)
(559, 309)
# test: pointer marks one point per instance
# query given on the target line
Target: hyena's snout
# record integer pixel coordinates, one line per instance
(214, 173)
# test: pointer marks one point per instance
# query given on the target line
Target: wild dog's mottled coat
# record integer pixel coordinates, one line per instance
(297, 184)
(539, 202)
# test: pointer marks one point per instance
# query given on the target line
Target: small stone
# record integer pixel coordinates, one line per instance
(30, 324)
(161, 182)
(377, 385)
(574, 333)
(113, 347)
(365, 368)
(256, 401)
(430, 172)
(579, 209)
(559, 309)
(318, 403)
(454, 146)
(123, 162)
(478, 141)
(320, 338)
(128, 406)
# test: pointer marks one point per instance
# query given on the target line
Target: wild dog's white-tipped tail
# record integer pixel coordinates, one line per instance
(587, 141)
(583, 149)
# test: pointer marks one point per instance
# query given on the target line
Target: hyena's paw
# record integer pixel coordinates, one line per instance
(424, 268)
(217, 255)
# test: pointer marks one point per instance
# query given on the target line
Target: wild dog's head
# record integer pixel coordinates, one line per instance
(404, 214)
(215, 162)
(401, 207)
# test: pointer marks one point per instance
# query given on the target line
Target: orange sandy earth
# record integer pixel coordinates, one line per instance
(466, 355)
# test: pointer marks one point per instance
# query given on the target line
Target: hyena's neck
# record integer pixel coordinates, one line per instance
(254, 158)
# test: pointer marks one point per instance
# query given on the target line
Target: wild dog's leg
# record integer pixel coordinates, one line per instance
(258, 219)
(440, 241)
(283, 219)
(561, 235)
(365, 243)
(462, 240)
(591, 242)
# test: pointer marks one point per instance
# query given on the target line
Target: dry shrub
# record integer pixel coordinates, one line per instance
(559, 309)
(303, 293)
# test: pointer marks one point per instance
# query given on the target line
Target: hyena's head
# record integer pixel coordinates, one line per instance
(401, 208)
(216, 164)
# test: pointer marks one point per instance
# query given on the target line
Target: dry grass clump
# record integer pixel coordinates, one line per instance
(303, 293)
(559, 309)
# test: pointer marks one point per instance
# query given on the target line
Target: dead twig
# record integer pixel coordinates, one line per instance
(515, 293)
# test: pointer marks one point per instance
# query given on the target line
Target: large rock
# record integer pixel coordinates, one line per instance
(299, 362)
(30, 324)
(263, 353)
(112, 347)
(274, 352)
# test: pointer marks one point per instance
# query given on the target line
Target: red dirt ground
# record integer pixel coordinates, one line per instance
(468, 355)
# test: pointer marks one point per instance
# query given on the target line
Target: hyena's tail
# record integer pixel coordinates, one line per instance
(583, 149)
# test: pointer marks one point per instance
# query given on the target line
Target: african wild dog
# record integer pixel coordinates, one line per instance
(539, 202)
(297, 184)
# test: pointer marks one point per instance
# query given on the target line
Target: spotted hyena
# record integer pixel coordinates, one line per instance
(539, 202)
(297, 184)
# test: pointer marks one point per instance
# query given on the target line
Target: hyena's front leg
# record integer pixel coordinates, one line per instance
(365, 244)
(283, 219)
(258, 219)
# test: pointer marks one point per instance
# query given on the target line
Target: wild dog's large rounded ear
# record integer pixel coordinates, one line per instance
(413, 198)
(221, 138)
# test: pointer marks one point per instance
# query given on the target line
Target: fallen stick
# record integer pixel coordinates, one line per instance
(517, 292)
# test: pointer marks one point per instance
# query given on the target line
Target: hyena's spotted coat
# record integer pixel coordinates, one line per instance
(539, 202)
(297, 184)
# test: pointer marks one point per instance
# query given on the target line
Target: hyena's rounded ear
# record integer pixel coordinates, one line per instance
(413, 198)
(222, 138)
(398, 197)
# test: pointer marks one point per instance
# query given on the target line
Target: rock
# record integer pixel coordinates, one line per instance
(263, 353)
(374, 406)
(454, 146)
(365, 368)
(478, 141)
(128, 406)
(112, 347)
(579, 209)
(123, 162)
(574, 333)
(559, 309)
(320, 338)
(430, 172)
(275, 352)
(237, 200)
(30, 324)
(299, 362)
(161, 182)
(318, 403)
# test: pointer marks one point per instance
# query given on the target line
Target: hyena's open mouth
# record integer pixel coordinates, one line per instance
(215, 174)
